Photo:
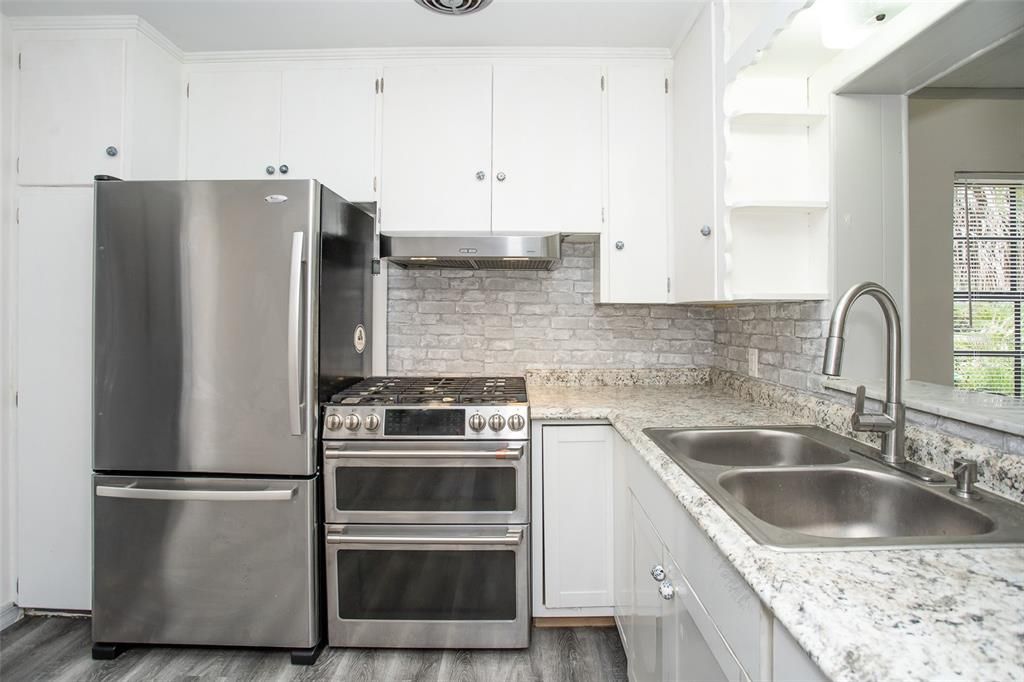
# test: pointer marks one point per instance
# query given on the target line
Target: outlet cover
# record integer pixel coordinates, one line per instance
(752, 362)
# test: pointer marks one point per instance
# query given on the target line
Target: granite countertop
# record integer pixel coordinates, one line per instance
(917, 614)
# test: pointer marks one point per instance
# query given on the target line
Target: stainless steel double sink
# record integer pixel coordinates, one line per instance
(802, 487)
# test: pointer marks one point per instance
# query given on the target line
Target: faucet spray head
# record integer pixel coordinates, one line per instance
(833, 363)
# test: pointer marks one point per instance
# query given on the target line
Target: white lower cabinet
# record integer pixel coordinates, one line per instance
(577, 487)
(683, 611)
(672, 634)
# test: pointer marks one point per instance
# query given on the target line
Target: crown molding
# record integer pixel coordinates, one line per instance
(400, 53)
(160, 39)
(75, 23)
(110, 22)
(133, 22)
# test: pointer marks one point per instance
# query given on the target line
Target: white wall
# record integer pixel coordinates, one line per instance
(7, 473)
(867, 202)
(946, 136)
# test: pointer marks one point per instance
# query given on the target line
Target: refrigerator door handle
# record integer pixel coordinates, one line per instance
(132, 493)
(295, 404)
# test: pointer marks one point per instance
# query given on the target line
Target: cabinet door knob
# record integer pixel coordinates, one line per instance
(620, 245)
(658, 573)
(283, 168)
(480, 175)
(112, 150)
(271, 170)
(667, 590)
(500, 176)
(705, 230)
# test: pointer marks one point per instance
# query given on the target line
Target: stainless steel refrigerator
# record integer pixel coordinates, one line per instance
(224, 311)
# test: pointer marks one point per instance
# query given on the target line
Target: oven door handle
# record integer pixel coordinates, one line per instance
(513, 536)
(504, 453)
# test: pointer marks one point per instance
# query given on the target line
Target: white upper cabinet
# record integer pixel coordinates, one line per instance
(71, 102)
(436, 155)
(234, 125)
(634, 258)
(547, 148)
(328, 124)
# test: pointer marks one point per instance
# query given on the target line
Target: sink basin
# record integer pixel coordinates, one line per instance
(746, 447)
(806, 488)
(851, 503)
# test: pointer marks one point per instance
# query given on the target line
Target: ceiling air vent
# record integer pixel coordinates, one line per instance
(454, 7)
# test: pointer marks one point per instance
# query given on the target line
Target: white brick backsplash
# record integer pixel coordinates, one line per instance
(492, 322)
(495, 322)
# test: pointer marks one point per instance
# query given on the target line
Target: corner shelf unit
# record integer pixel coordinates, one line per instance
(775, 203)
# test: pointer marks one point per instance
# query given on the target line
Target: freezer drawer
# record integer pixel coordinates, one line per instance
(210, 561)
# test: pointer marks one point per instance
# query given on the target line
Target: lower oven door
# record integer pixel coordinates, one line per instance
(428, 586)
(449, 482)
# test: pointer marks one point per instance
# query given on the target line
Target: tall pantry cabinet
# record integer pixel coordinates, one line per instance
(91, 97)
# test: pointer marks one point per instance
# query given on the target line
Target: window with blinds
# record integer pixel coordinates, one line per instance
(988, 282)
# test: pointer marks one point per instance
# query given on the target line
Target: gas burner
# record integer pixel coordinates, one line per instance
(434, 390)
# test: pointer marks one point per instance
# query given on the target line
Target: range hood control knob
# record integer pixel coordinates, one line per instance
(516, 422)
(477, 423)
(333, 422)
(372, 422)
(352, 422)
(497, 422)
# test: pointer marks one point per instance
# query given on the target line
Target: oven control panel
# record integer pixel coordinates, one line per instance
(477, 422)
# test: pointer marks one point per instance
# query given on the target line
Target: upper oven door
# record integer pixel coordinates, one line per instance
(427, 482)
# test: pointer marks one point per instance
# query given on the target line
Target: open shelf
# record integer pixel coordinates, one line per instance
(774, 118)
(779, 295)
(776, 205)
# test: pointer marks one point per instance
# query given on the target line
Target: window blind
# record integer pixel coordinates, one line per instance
(988, 282)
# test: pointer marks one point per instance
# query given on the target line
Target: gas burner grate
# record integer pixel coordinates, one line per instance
(434, 390)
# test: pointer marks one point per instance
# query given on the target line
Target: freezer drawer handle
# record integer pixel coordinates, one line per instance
(505, 453)
(295, 336)
(132, 493)
(513, 536)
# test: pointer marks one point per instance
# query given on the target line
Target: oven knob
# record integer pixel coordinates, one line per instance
(477, 423)
(497, 422)
(351, 422)
(516, 422)
(333, 422)
(372, 422)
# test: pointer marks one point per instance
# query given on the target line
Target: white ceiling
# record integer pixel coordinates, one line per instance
(202, 25)
(1000, 67)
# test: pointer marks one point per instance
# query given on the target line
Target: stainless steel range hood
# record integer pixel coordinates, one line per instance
(473, 253)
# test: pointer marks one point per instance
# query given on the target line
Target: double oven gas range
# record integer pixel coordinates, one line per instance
(427, 498)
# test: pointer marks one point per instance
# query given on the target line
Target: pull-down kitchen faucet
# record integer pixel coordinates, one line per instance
(891, 422)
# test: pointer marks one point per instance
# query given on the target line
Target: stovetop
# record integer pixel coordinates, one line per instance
(434, 390)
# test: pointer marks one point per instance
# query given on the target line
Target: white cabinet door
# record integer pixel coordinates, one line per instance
(328, 121)
(646, 660)
(692, 649)
(436, 156)
(547, 148)
(636, 256)
(54, 346)
(577, 516)
(234, 125)
(71, 109)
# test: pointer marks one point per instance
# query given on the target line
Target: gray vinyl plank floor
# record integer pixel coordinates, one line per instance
(59, 648)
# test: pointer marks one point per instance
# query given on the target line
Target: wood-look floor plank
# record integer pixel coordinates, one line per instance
(59, 649)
